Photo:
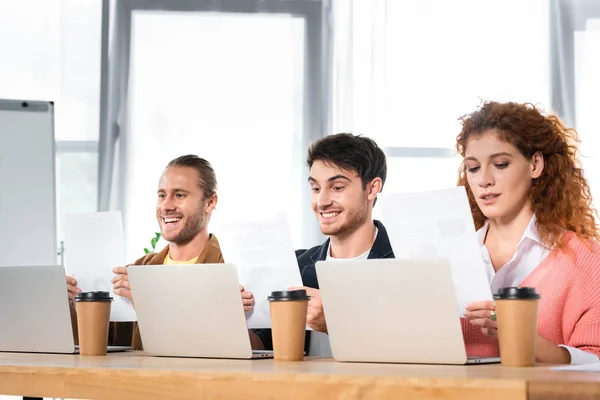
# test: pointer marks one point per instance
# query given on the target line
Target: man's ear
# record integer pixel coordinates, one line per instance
(211, 204)
(374, 188)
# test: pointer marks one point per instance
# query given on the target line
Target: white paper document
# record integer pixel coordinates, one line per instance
(438, 224)
(94, 245)
(593, 367)
(260, 245)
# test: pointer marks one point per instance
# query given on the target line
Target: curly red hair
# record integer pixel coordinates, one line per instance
(560, 197)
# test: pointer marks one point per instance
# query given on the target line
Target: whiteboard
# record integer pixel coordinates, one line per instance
(27, 183)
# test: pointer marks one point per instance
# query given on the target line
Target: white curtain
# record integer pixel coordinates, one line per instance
(575, 44)
(359, 65)
(587, 98)
(404, 71)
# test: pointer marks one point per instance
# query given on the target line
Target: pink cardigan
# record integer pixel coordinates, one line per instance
(568, 281)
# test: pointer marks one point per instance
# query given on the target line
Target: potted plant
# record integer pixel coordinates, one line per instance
(153, 242)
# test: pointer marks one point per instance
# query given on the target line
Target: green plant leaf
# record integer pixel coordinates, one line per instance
(157, 235)
(153, 242)
(146, 250)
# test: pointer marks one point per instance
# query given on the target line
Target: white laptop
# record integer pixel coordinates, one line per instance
(34, 311)
(191, 310)
(396, 311)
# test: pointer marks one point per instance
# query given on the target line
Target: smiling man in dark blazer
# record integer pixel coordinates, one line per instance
(347, 172)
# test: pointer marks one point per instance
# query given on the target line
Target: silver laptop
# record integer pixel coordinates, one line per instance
(191, 310)
(396, 311)
(34, 311)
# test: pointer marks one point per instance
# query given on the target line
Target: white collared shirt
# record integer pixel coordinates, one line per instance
(529, 254)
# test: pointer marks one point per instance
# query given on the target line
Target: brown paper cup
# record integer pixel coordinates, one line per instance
(517, 331)
(288, 325)
(93, 319)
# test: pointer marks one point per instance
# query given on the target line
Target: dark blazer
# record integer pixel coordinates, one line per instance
(307, 260)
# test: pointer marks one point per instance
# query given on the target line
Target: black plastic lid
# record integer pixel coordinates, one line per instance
(288, 295)
(516, 293)
(93, 296)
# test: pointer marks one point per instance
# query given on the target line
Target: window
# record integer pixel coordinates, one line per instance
(76, 176)
(51, 51)
(78, 106)
(409, 173)
(29, 44)
(439, 67)
(227, 87)
(405, 71)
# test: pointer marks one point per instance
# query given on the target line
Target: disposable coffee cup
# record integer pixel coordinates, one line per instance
(516, 313)
(288, 324)
(93, 319)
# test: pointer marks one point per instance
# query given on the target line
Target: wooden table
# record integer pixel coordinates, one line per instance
(134, 376)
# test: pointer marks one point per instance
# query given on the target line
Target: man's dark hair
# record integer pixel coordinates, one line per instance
(352, 152)
(207, 180)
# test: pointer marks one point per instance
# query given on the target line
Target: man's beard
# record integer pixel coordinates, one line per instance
(354, 219)
(193, 225)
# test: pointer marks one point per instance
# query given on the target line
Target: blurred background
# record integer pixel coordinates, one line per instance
(248, 84)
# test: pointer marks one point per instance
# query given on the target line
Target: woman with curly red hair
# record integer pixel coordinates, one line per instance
(532, 207)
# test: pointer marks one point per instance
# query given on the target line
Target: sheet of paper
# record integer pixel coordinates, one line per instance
(94, 245)
(438, 224)
(261, 247)
(594, 367)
